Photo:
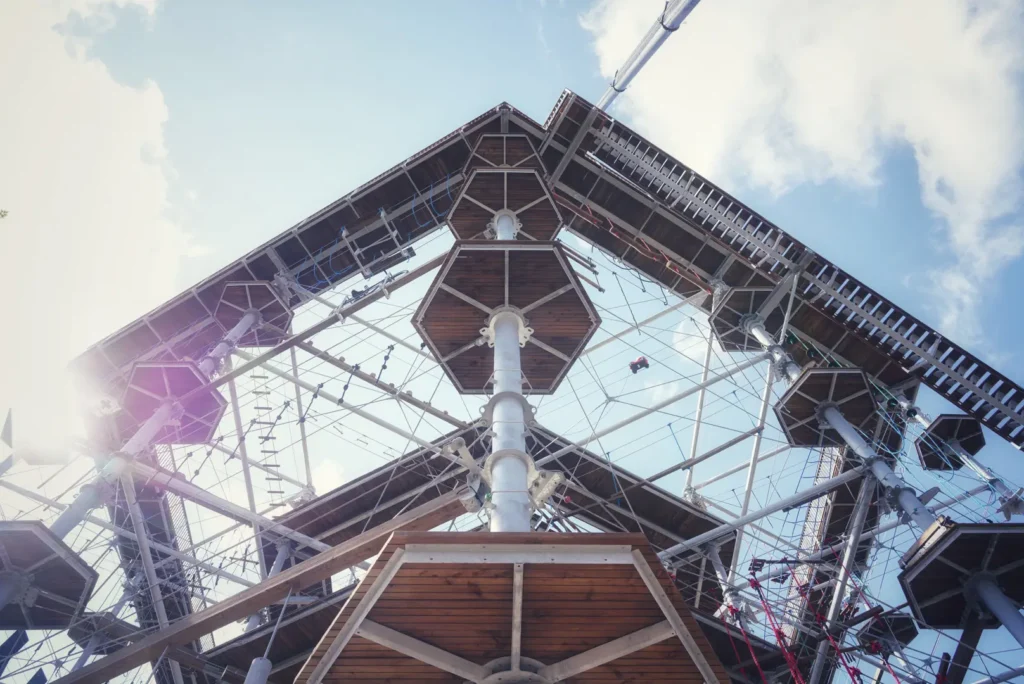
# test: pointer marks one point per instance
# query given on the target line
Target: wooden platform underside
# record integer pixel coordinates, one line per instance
(466, 609)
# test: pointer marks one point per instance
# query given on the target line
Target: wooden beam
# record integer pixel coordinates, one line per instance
(422, 651)
(517, 615)
(243, 604)
(606, 653)
(359, 614)
(678, 626)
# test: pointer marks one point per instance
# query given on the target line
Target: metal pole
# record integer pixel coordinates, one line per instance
(857, 520)
(510, 495)
(90, 648)
(243, 455)
(700, 411)
(748, 488)
(259, 671)
(142, 539)
(912, 506)
(91, 496)
(211, 361)
(754, 325)
(793, 501)
(1002, 676)
(729, 595)
(1001, 606)
(189, 491)
(283, 553)
(671, 19)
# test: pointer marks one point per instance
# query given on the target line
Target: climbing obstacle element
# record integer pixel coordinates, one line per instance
(43, 583)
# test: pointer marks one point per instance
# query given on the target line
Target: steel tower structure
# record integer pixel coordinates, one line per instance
(538, 404)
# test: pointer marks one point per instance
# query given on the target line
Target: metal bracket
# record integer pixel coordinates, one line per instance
(487, 411)
(525, 332)
(541, 484)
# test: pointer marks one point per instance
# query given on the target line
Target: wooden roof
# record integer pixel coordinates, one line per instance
(466, 609)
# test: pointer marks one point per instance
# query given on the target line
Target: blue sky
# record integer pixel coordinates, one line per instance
(155, 141)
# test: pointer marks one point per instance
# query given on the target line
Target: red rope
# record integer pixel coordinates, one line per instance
(804, 590)
(780, 637)
(858, 594)
(739, 624)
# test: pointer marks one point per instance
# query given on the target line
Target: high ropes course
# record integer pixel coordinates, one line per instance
(538, 404)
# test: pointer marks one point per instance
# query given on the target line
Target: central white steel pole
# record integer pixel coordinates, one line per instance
(510, 496)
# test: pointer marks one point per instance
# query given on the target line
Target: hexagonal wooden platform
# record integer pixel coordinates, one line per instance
(726, 319)
(242, 297)
(949, 427)
(938, 567)
(479, 277)
(447, 607)
(153, 383)
(60, 581)
(846, 388)
(504, 172)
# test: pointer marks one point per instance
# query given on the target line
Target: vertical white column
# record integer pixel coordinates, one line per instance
(510, 496)
(509, 492)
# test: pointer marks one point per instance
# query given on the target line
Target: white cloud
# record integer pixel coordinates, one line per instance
(782, 93)
(88, 244)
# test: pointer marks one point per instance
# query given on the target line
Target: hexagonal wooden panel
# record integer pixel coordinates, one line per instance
(441, 607)
(239, 298)
(488, 190)
(151, 384)
(481, 276)
(59, 582)
(846, 388)
(937, 569)
(931, 445)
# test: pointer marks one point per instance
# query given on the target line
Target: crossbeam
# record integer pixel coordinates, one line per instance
(606, 653)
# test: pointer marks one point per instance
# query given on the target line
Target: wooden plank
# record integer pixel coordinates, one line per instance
(316, 569)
